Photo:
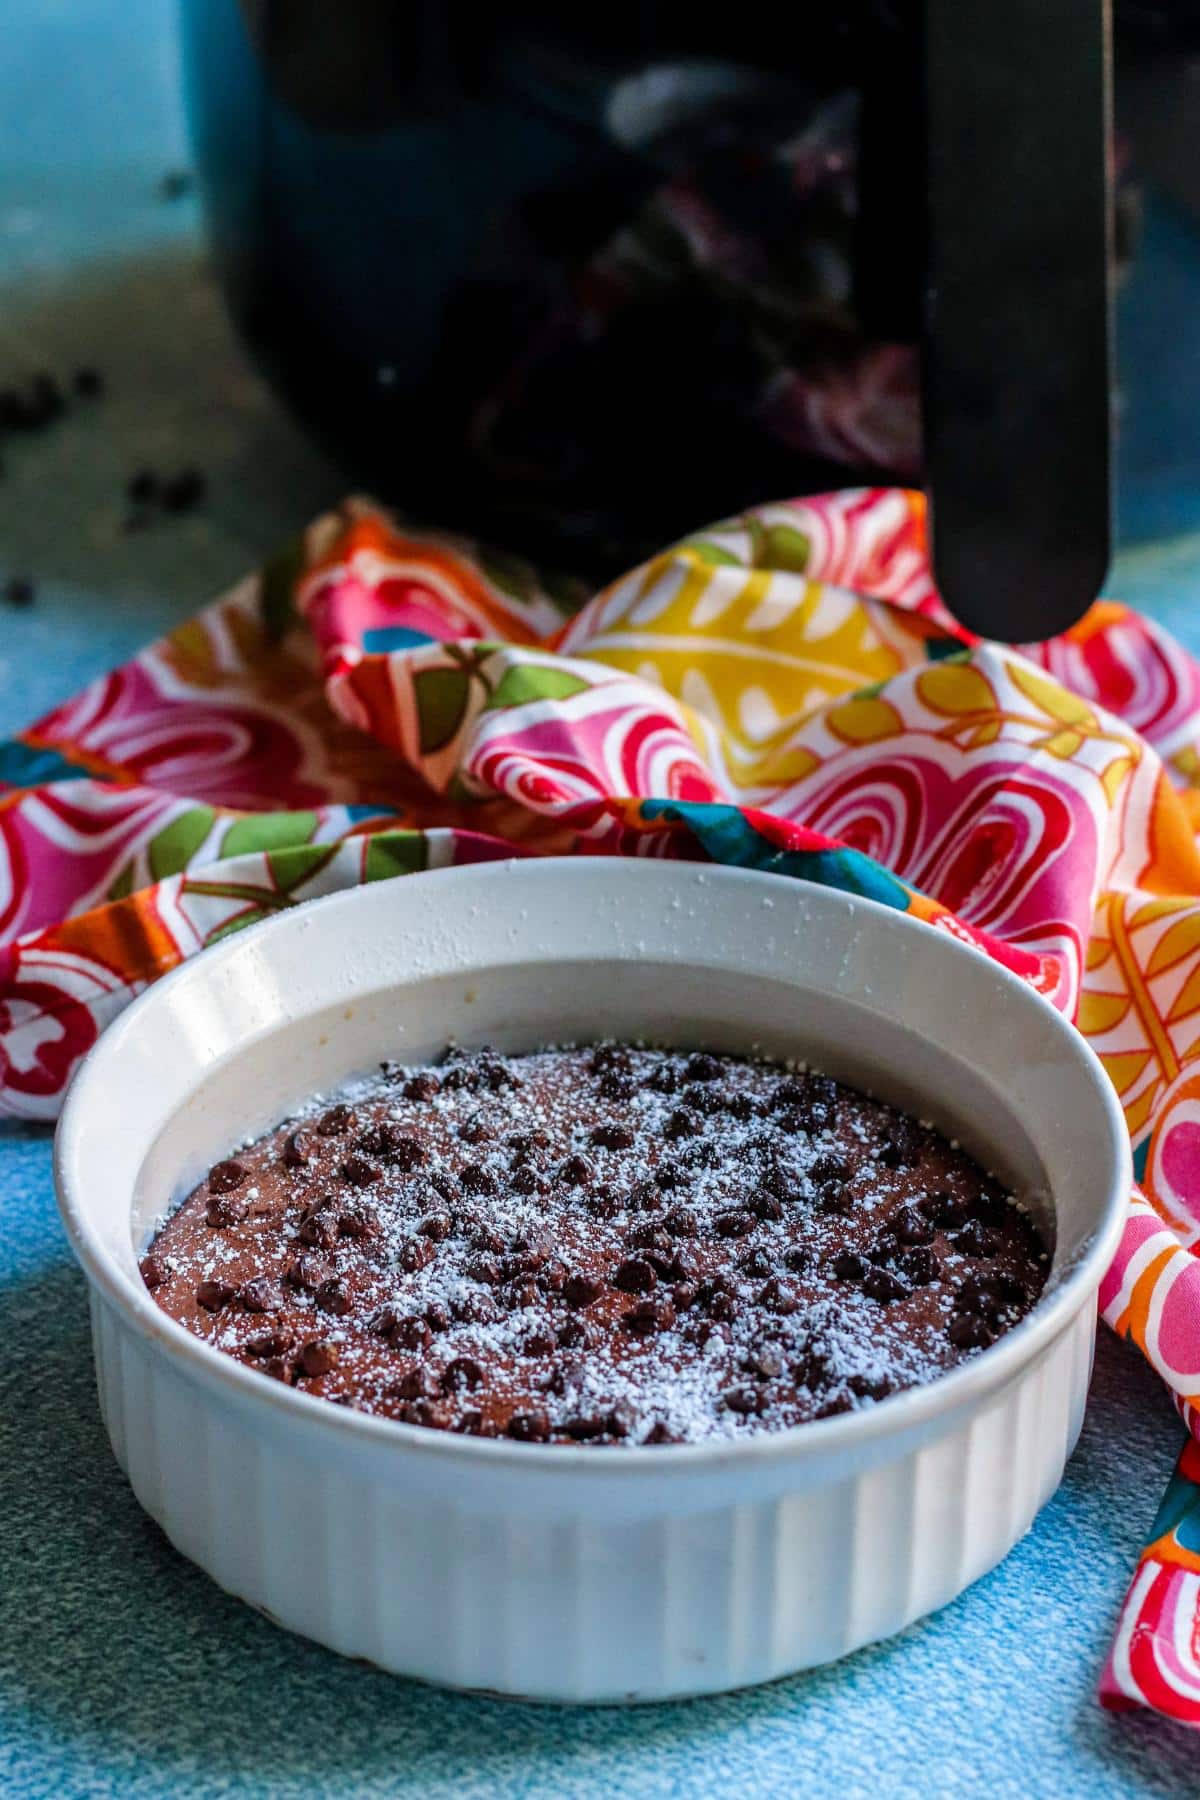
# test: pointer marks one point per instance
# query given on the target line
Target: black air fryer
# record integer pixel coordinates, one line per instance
(581, 278)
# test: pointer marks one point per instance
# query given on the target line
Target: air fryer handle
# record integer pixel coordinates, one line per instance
(1016, 349)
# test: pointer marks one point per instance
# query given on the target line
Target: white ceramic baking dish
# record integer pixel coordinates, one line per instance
(570, 1573)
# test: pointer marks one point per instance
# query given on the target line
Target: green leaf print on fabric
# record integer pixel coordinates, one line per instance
(395, 853)
(441, 696)
(173, 848)
(534, 681)
(277, 589)
(268, 831)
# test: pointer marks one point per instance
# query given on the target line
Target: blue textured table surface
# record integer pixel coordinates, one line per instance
(122, 1669)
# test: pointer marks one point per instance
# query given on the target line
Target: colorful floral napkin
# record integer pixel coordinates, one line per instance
(783, 691)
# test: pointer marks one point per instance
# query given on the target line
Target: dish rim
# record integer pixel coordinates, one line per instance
(907, 1412)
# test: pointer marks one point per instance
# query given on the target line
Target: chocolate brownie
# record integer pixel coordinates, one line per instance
(599, 1245)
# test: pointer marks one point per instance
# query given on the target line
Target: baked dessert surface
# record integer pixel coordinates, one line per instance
(599, 1245)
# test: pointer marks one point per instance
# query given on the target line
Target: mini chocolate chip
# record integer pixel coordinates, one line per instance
(798, 1259)
(297, 1150)
(848, 1265)
(578, 1334)
(539, 1342)
(526, 1180)
(473, 1424)
(648, 1234)
(977, 1295)
(788, 1095)
(224, 1210)
(483, 1236)
(585, 1426)
(766, 1205)
(552, 1279)
(703, 1100)
(437, 1316)
(679, 1222)
(271, 1343)
(683, 1295)
(920, 1265)
(642, 1194)
(476, 1309)
(870, 1387)
(358, 1222)
(429, 1413)
(379, 1139)
(420, 1383)
(620, 1421)
(901, 1143)
(487, 1270)
(529, 1427)
(969, 1331)
(612, 1137)
(332, 1297)
(383, 1323)
(307, 1272)
(660, 1433)
(462, 1374)
(616, 1086)
(416, 1254)
(975, 1239)
(663, 1079)
(279, 1369)
(477, 1180)
(610, 1056)
(741, 1106)
(743, 1400)
(359, 1172)
(722, 1307)
(991, 1207)
(581, 1290)
(223, 1177)
(757, 1263)
(912, 1227)
(521, 1294)
(576, 1171)
(670, 1174)
(476, 1131)
(701, 1066)
(779, 1297)
(406, 1152)
(734, 1223)
(683, 1123)
(648, 1316)
(316, 1358)
(700, 1155)
(411, 1334)
(152, 1272)
(213, 1295)
(337, 1121)
(828, 1168)
(634, 1276)
(421, 1086)
(818, 1104)
(884, 1286)
(260, 1295)
(319, 1232)
(437, 1226)
(764, 1361)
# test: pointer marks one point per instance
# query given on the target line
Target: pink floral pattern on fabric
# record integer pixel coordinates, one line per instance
(783, 690)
